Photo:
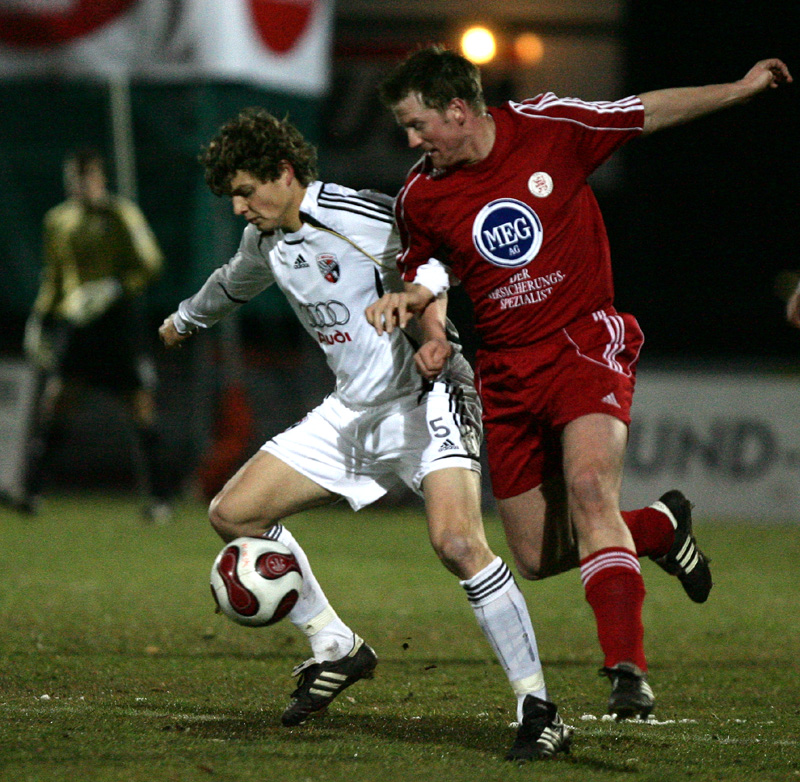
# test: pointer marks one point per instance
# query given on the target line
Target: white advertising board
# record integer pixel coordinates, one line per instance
(730, 442)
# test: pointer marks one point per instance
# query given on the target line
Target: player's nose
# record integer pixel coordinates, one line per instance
(414, 139)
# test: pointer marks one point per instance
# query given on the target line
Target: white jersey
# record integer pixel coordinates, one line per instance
(340, 261)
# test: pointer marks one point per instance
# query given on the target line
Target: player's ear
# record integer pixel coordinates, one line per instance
(286, 170)
(457, 109)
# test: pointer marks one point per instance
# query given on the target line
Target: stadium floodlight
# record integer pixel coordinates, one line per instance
(479, 45)
(528, 48)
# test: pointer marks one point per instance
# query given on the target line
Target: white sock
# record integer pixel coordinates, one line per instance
(329, 636)
(503, 616)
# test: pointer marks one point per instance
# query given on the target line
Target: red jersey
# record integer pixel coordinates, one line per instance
(521, 229)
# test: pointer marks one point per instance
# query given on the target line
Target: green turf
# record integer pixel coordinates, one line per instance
(115, 668)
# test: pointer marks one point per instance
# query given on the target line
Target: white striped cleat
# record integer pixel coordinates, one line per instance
(320, 683)
(631, 696)
(541, 734)
(684, 559)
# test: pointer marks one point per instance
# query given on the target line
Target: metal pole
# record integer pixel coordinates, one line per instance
(122, 132)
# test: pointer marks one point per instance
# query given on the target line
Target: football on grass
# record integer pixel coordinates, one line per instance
(256, 582)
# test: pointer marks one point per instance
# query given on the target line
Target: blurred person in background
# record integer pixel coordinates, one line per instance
(87, 324)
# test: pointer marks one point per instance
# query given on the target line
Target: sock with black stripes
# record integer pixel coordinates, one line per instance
(329, 636)
(503, 616)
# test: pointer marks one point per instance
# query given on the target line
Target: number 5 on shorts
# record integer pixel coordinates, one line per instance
(439, 429)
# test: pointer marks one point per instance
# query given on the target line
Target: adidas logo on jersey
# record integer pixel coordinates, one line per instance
(610, 399)
(300, 263)
(448, 445)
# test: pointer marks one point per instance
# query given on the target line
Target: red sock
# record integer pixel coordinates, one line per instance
(651, 529)
(615, 591)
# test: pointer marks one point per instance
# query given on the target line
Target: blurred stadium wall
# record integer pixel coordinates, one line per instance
(702, 219)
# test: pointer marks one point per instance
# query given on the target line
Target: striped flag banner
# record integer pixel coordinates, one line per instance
(277, 44)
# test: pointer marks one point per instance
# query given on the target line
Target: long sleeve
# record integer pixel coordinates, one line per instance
(230, 286)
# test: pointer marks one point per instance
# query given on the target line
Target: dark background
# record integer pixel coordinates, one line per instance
(708, 216)
(702, 219)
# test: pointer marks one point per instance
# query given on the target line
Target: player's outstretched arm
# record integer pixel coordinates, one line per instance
(434, 352)
(665, 108)
(170, 336)
(793, 308)
(396, 309)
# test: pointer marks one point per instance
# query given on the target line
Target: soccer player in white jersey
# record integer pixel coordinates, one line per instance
(332, 251)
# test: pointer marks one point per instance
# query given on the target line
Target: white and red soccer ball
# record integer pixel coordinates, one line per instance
(256, 582)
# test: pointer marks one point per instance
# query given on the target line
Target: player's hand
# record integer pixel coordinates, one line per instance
(396, 309)
(432, 357)
(766, 74)
(169, 334)
(793, 308)
(390, 311)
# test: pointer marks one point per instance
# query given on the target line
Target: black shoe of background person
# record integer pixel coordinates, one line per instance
(27, 504)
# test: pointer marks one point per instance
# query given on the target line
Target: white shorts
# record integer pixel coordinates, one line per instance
(361, 454)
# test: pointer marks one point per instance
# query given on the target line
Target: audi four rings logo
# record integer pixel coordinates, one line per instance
(324, 314)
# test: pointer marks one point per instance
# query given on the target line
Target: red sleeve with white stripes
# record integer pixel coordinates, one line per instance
(598, 128)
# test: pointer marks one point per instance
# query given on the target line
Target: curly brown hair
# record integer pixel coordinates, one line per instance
(257, 142)
(436, 75)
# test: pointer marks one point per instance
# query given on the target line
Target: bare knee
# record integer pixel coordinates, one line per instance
(590, 493)
(462, 554)
(220, 518)
(230, 522)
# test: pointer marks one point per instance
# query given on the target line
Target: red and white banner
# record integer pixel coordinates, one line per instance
(280, 44)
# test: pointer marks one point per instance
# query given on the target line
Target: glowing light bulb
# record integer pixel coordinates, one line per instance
(478, 45)
(529, 48)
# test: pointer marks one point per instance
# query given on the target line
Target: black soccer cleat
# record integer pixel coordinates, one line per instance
(631, 695)
(320, 683)
(541, 734)
(684, 559)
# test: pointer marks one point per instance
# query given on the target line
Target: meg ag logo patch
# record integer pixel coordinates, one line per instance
(507, 233)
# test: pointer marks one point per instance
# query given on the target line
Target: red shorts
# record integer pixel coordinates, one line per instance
(531, 393)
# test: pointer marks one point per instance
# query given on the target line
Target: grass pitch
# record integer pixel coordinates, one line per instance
(116, 669)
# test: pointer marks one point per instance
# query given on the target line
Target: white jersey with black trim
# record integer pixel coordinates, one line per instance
(340, 261)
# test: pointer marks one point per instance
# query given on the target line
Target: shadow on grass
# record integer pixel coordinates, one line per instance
(486, 736)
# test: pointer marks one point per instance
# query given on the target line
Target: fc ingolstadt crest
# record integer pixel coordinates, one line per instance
(329, 266)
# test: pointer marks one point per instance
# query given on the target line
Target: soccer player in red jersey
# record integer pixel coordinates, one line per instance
(500, 196)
